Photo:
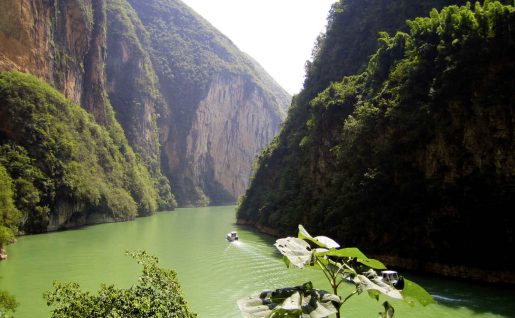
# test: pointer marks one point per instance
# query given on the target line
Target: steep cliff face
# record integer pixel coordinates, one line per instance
(25, 36)
(201, 73)
(231, 124)
(62, 42)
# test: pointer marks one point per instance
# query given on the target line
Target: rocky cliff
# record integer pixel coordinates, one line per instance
(228, 129)
(62, 42)
(221, 106)
(154, 74)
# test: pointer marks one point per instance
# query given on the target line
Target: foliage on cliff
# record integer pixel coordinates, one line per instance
(133, 90)
(9, 214)
(62, 164)
(157, 294)
(414, 156)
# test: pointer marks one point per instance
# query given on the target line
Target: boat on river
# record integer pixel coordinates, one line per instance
(232, 236)
(390, 277)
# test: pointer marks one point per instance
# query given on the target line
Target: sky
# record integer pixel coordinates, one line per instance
(279, 34)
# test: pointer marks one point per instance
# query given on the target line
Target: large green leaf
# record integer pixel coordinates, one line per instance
(300, 301)
(320, 241)
(372, 263)
(296, 250)
(413, 291)
(353, 252)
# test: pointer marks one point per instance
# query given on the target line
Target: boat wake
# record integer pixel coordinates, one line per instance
(448, 300)
(233, 244)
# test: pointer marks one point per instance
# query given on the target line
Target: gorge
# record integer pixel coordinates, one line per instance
(401, 141)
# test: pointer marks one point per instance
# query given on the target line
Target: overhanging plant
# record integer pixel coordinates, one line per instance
(339, 265)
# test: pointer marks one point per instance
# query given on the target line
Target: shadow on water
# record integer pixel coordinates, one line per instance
(481, 298)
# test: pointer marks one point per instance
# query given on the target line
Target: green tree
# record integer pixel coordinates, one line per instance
(339, 265)
(7, 303)
(9, 215)
(157, 294)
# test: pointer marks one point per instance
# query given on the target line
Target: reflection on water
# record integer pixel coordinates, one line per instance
(214, 273)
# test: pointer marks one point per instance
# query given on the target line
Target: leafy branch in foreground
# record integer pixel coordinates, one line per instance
(7, 303)
(338, 265)
(157, 294)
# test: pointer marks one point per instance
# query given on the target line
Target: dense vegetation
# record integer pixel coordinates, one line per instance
(411, 156)
(61, 165)
(157, 294)
(9, 215)
(7, 304)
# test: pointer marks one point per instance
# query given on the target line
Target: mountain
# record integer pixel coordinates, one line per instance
(403, 148)
(222, 107)
(180, 111)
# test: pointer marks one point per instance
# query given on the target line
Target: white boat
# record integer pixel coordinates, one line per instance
(232, 236)
(390, 277)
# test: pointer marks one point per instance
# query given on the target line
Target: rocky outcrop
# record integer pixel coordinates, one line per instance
(62, 42)
(25, 37)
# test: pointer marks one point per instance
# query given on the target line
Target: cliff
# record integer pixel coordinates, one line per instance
(184, 105)
(411, 157)
(222, 108)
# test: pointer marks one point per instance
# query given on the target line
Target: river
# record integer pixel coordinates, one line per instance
(212, 272)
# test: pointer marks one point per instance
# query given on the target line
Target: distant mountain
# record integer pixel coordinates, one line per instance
(401, 143)
(183, 111)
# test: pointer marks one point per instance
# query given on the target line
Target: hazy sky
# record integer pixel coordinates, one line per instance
(279, 34)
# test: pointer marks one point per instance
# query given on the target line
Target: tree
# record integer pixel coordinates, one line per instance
(157, 294)
(9, 215)
(339, 265)
(7, 303)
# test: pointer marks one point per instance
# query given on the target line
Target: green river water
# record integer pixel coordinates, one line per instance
(213, 272)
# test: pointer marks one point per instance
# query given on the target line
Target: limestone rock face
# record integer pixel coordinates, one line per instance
(232, 123)
(62, 42)
(25, 35)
